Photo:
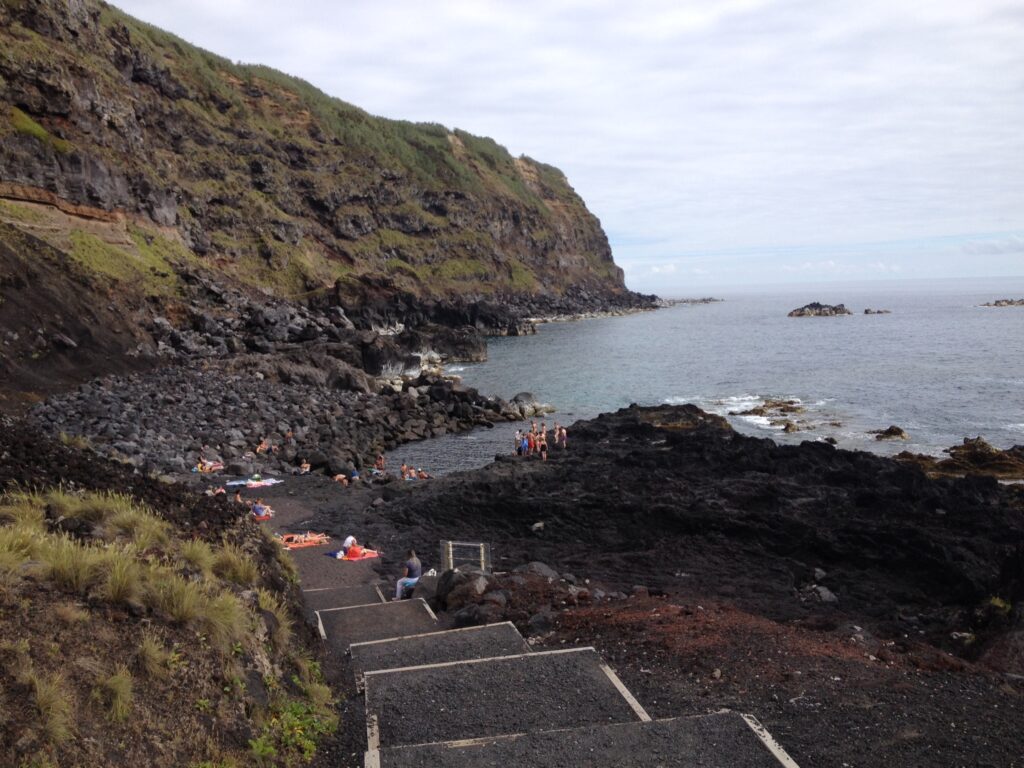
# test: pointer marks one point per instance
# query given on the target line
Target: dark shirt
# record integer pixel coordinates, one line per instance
(414, 568)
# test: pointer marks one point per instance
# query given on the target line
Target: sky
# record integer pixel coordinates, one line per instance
(720, 142)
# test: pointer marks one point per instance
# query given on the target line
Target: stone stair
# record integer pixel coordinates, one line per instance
(436, 648)
(478, 697)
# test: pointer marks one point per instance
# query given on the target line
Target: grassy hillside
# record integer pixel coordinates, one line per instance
(130, 633)
(264, 178)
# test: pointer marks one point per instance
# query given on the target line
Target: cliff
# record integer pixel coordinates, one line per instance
(141, 156)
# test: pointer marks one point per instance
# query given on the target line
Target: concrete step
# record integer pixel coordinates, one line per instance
(493, 697)
(723, 740)
(436, 648)
(340, 597)
(358, 623)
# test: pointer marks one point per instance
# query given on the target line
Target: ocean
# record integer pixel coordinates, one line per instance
(939, 366)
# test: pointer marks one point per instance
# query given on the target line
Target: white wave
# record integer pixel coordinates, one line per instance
(455, 369)
(761, 422)
(680, 400)
(1015, 427)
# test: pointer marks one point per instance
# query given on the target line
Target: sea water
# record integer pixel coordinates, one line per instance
(940, 366)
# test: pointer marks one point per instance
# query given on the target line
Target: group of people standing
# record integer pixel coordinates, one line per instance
(535, 442)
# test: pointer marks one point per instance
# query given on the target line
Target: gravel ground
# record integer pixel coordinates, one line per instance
(713, 741)
(341, 597)
(376, 622)
(436, 648)
(471, 700)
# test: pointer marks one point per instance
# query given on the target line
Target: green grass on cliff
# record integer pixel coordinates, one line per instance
(361, 191)
(127, 635)
(26, 126)
(148, 267)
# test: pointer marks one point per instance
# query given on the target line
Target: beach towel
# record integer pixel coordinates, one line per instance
(256, 483)
(365, 554)
(300, 540)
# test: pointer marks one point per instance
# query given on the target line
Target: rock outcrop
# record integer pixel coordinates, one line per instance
(974, 457)
(671, 498)
(814, 309)
(890, 433)
(1005, 303)
(877, 311)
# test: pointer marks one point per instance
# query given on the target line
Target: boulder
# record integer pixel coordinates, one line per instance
(538, 569)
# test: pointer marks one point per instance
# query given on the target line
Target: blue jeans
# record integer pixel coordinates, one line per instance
(402, 584)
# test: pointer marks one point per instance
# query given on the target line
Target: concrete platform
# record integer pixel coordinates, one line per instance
(340, 597)
(342, 626)
(725, 740)
(493, 697)
(437, 648)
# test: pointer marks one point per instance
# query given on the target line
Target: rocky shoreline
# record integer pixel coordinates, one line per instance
(167, 421)
(717, 570)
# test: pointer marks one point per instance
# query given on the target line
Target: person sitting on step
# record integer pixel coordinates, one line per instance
(413, 571)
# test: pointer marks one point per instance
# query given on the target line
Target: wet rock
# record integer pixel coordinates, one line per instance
(890, 433)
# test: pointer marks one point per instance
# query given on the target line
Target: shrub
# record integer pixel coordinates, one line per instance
(234, 565)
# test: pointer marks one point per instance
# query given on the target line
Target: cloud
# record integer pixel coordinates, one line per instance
(812, 266)
(758, 127)
(664, 269)
(1013, 244)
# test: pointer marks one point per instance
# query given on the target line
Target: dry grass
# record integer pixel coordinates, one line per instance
(177, 598)
(152, 657)
(144, 528)
(71, 614)
(53, 702)
(198, 554)
(233, 564)
(69, 564)
(77, 442)
(282, 632)
(117, 690)
(23, 510)
(124, 581)
(225, 620)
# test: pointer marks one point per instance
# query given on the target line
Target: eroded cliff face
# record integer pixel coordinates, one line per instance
(260, 177)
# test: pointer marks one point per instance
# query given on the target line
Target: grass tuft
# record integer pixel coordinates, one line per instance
(233, 564)
(71, 614)
(124, 581)
(198, 554)
(282, 632)
(117, 689)
(175, 597)
(53, 702)
(153, 658)
(71, 565)
(225, 620)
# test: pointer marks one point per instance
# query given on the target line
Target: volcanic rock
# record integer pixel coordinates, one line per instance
(815, 309)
